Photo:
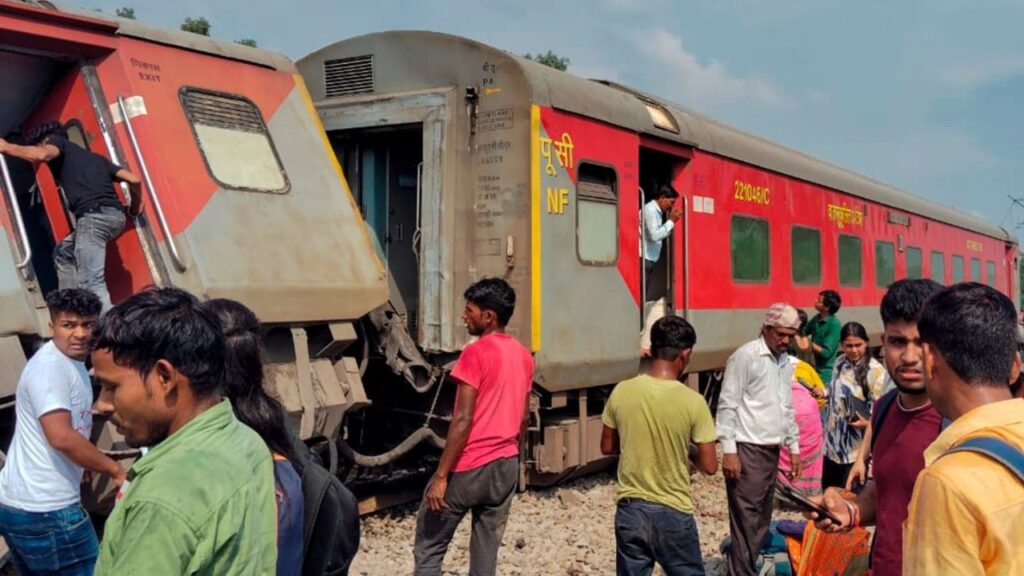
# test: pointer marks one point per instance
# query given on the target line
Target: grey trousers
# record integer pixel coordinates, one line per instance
(750, 505)
(486, 492)
(81, 257)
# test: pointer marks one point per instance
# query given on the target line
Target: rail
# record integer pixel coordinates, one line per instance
(19, 222)
(171, 244)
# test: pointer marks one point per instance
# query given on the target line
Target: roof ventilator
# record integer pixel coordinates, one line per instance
(348, 76)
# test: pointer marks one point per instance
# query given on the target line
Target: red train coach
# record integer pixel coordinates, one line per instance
(468, 161)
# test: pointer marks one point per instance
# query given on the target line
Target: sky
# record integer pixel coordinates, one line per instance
(921, 95)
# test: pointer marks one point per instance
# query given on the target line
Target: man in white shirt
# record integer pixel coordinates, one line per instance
(41, 516)
(755, 417)
(656, 228)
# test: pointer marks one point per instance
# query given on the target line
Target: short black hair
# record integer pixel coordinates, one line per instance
(73, 301)
(832, 300)
(974, 327)
(44, 130)
(803, 320)
(493, 294)
(671, 335)
(165, 324)
(904, 299)
(666, 191)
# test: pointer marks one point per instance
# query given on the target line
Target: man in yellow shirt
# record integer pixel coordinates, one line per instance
(650, 421)
(967, 511)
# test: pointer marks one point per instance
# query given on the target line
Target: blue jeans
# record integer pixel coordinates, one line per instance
(81, 258)
(59, 542)
(646, 533)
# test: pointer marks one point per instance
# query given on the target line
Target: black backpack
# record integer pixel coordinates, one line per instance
(331, 526)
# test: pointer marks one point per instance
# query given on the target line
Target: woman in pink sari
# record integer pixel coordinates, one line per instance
(807, 388)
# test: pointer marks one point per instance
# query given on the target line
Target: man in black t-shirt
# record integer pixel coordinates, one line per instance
(88, 182)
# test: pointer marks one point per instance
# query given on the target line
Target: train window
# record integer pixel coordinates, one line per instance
(597, 222)
(234, 141)
(806, 255)
(975, 269)
(885, 263)
(958, 269)
(851, 266)
(750, 250)
(939, 267)
(914, 262)
(990, 269)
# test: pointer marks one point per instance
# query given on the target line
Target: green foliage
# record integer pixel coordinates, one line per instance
(196, 26)
(550, 59)
(246, 42)
(126, 12)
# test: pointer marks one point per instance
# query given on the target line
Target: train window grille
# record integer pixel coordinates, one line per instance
(348, 76)
(597, 222)
(914, 262)
(235, 143)
(750, 253)
(958, 269)
(805, 244)
(938, 267)
(990, 269)
(885, 263)
(975, 270)
(851, 265)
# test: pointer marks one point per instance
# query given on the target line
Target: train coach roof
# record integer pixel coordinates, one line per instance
(629, 108)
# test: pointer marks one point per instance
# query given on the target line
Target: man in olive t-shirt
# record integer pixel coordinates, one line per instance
(651, 420)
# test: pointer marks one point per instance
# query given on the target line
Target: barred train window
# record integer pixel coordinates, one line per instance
(958, 269)
(234, 141)
(750, 250)
(597, 222)
(885, 263)
(914, 262)
(975, 270)
(806, 255)
(939, 267)
(851, 266)
(991, 273)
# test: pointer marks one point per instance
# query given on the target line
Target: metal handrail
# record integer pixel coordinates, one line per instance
(19, 222)
(172, 246)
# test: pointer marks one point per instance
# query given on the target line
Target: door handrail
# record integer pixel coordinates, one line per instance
(171, 244)
(19, 222)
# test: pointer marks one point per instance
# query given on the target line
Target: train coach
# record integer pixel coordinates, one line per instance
(468, 161)
(243, 197)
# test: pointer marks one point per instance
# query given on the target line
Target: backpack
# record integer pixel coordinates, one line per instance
(882, 408)
(331, 525)
(1002, 452)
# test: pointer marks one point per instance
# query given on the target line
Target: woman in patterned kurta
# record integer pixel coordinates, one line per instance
(857, 381)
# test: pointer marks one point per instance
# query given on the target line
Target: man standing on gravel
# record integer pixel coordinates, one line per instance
(479, 469)
(650, 421)
(755, 416)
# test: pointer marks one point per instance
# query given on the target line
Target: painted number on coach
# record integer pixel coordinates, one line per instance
(747, 192)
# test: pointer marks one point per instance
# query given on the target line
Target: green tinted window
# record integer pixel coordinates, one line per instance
(885, 263)
(958, 269)
(914, 262)
(991, 270)
(939, 267)
(597, 223)
(806, 256)
(850, 262)
(749, 249)
(975, 270)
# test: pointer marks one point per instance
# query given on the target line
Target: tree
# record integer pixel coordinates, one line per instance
(246, 42)
(126, 12)
(196, 26)
(550, 59)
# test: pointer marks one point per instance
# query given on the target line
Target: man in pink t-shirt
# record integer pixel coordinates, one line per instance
(479, 468)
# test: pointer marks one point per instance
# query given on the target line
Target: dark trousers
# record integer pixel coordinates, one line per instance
(59, 542)
(646, 533)
(834, 474)
(648, 271)
(486, 492)
(750, 505)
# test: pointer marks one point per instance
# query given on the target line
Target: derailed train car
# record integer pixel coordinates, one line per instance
(468, 161)
(244, 198)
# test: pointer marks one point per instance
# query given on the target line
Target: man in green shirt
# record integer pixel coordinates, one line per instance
(650, 421)
(201, 501)
(824, 332)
